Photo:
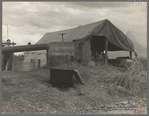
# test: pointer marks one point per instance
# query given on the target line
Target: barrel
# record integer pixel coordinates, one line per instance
(17, 66)
(24, 66)
(36, 63)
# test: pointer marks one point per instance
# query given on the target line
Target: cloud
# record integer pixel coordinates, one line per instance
(101, 4)
(29, 21)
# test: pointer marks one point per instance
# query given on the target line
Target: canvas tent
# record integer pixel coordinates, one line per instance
(87, 37)
(140, 42)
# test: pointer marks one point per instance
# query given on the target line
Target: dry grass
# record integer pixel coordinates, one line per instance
(32, 92)
(130, 82)
(133, 81)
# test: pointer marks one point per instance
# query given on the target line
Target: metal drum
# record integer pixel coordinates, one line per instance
(26, 66)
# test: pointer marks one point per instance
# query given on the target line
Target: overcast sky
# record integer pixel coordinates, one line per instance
(29, 21)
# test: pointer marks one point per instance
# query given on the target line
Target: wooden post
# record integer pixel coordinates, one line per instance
(47, 57)
(62, 36)
(13, 61)
(130, 54)
(2, 61)
(106, 51)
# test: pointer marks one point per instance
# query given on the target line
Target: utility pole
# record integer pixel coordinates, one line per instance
(62, 36)
(7, 33)
(9, 57)
(8, 42)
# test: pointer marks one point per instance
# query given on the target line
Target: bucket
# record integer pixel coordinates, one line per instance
(27, 66)
(36, 63)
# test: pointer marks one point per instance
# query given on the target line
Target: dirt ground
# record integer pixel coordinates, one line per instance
(32, 93)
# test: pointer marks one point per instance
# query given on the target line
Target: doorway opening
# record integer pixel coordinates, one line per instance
(97, 45)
